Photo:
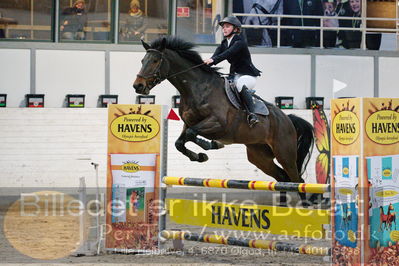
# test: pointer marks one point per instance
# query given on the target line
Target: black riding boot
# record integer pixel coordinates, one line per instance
(246, 97)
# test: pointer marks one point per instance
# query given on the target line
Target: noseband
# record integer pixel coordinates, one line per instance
(157, 73)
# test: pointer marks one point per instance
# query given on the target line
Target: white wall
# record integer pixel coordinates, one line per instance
(124, 68)
(283, 75)
(357, 72)
(389, 77)
(51, 147)
(15, 75)
(59, 73)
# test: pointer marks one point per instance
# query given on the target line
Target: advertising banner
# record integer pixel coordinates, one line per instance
(135, 169)
(346, 151)
(298, 222)
(381, 155)
(365, 184)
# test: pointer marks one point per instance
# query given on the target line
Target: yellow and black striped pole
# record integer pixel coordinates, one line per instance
(262, 244)
(246, 184)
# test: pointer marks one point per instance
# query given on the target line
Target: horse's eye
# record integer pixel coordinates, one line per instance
(154, 61)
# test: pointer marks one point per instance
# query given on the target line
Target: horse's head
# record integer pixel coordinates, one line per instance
(153, 70)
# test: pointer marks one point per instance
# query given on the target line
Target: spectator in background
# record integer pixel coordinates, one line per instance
(264, 37)
(135, 23)
(351, 39)
(74, 19)
(2, 34)
(302, 38)
(342, 10)
(330, 36)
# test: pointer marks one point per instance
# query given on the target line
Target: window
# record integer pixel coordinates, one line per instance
(88, 20)
(26, 19)
(197, 20)
(142, 18)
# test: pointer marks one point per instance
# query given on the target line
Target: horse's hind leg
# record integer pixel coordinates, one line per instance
(262, 157)
(268, 166)
(286, 155)
(287, 159)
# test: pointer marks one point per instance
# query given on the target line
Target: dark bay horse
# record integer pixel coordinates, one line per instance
(207, 112)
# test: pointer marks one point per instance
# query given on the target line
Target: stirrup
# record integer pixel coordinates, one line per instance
(252, 119)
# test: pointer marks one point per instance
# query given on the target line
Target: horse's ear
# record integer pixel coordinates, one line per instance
(163, 45)
(145, 45)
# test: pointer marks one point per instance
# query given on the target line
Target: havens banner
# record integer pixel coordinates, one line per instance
(133, 176)
(381, 155)
(365, 183)
(256, 218)
(346, 138)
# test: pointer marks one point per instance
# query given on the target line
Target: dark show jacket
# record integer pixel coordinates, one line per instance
(309, 7)
(237, 54)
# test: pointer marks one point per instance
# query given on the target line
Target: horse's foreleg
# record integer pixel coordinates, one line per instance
(192, 135)
(180, 146)
(207, 126)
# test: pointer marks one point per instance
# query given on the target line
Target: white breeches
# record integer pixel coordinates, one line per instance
(241, 80)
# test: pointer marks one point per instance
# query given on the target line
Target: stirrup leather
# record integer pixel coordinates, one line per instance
(252, 119)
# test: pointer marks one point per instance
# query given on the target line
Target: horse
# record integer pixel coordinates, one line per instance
(263, 7)
(207, 112)
(387, 219)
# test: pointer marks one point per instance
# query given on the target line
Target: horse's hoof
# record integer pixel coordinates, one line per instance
(216, 145)
(202, 157)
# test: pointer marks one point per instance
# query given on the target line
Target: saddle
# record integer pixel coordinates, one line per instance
(234, 97)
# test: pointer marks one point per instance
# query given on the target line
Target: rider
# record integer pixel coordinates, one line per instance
(235, 50)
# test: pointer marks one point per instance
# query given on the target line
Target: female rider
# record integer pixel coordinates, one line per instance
(235, 50)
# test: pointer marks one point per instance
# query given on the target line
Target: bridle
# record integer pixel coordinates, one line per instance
(156, 75)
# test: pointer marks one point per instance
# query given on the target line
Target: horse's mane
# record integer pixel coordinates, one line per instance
(184, 49)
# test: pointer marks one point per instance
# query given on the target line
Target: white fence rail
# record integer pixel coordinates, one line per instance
(363, 26)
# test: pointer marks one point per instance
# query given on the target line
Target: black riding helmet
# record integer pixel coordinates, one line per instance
(231, 20)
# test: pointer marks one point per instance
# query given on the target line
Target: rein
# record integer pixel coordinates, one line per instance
(181, 72)
(157, 73)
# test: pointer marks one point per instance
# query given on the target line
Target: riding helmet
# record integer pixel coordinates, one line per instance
(231, 20)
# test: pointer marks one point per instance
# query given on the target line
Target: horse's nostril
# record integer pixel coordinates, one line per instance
(138, 86)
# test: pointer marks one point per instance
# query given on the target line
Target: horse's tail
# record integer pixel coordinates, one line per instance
(305, 140)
